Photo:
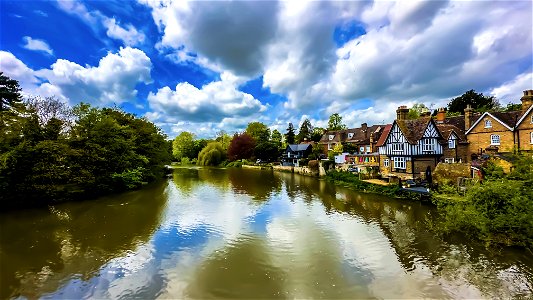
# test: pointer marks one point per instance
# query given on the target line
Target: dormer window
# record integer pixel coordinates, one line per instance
(451, 144)
(331, 136)
(488, 124)
(350, 135)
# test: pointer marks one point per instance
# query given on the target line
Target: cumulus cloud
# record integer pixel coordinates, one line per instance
(112, 81)
(36, 45)
(511, 91)
(128, 34)
(213, 102)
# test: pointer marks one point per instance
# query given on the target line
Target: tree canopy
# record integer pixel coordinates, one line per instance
(211, 155)
(317, 134)
(258, 131)
(335, 122)
(184, 146)
(241, 147)
(9, 92)
(290, 136)
(417, 110)
(306, 129)
(477, 101)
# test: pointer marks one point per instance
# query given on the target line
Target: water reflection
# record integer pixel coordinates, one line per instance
(234, 233)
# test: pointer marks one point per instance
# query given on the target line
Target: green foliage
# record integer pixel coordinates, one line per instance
(276, 138)
(224, 139)
(317, 134)
(349, 147)
(128, 179)
(290, 136)
(212, 155)
(316, 152)
(185, 161)
(10, 95)
(337, 149)
(304, 134)
(335, 122)
(266, 151)
(513, 107)
(313, 165)
(184, 146)
(352, 180)
(477, 101)
(258, 131)
(416, 111)
(493, 171)
(234, 164)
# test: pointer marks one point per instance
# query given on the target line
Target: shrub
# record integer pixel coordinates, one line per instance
(211, 155)
(313, 165)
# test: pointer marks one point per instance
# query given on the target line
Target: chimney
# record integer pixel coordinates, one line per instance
(468, 116)
(401, 113)
(364, 126)
(441, 115)
(527, 100)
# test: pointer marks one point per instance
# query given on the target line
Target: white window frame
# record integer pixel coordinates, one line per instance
(329, 147)
(427, 145)
(451, 144)
(449, 160)
(495, 139)
(350, 135)
(488, 124)
(386, 162)
(331, 136)
(531, 119)
(397, 147)
(531, 137)
(399, 163)
(367, 149)
(361, 149)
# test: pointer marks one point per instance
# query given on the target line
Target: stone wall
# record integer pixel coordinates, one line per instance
(302, 170)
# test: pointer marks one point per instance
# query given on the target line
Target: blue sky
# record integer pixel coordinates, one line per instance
(206, 66)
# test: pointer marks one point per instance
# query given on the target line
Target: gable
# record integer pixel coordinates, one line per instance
(479, 125)
(395, 135)
(526, 121)
(452, 136)
(431, 131)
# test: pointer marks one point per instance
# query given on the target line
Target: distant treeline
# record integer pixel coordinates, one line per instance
(51, 152)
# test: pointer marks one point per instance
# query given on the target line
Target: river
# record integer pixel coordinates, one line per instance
(238, 233)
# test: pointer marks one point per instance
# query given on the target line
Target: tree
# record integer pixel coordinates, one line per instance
(335, 122)
(416, 111)
(513, 107)
(9, 93)
(267, 151)
(241, 147)
(224, 139)
(183, 146)
(211, 155)
(477, 101)
(338, 149)
(290, 135)
(305, 131)
(317, 134)
(276, 138)
(349, 147)
(258, 131)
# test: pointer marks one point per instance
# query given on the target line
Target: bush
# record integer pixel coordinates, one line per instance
(313, 165)
(211, 155)
(185, 161)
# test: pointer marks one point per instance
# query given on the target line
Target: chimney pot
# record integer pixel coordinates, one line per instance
(401, 113)
(527, 100)
(441, 115)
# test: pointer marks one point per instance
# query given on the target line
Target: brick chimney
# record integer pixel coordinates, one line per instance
(364, 126)
(527, 99)
(401, 113)
(441, 115)
(468, 116)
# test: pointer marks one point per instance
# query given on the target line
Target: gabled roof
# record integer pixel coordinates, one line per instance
(447, 129)
(384, 135)
(413, 130)
(361, 136)
(524, 116)
(507, 119)
(298, 147)
(338, 136)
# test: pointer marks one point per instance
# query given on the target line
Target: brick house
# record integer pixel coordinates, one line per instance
(455, 144)
(364, 138)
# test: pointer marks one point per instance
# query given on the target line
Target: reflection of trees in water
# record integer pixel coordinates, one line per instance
(405, 225)
(259, 184)
(40, 249)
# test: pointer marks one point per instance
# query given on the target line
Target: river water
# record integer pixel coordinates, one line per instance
(238, 233)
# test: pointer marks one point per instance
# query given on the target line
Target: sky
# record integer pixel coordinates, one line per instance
(207, 66)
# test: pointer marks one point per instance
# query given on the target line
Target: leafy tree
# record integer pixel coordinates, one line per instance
(267, 151)
(338, 149)
(258, 131)
(317, 151)
(349, 147)
(417, 110)
(276, 138)
(317, 134)
(290, 135)
(224, 139)
(513, 107)
(10, 95)
(305, 131)
(212, 155)
(477, 101)
(335, 122)
(184, 146)
(241, 147)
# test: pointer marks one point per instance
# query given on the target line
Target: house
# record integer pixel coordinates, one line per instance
(410, 147)
(293, 153)
(502, 132)
(362, 139)
(455, 144)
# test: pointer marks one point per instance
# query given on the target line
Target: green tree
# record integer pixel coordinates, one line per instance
(306, 129)
(267, 151)
(276, 138)
(184, 146)
(349, 147)
(416, 111)
(258, 131)
(290, 135)
(10, 95)
(224, 139)
(335, 122)
(212, 155)
(317, 134)
(513, 107)
(477, 101)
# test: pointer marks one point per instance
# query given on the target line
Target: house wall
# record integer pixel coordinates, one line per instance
(460, 153)
(479, 136)
(524, 133)
(382, 169)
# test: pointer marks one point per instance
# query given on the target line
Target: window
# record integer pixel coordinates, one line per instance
(331, 136)
(367, 149)
(361, 149)
(488, 124)
(531, 137)
(350, 135)
(330, 147)
(451, 144)
(494, 139)
(531, 119)
(427, 145)
(386, 162)
(397, 147)
(449, 160)
(399, 162)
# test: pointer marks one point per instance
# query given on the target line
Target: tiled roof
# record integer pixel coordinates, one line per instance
(446, 129)
(299, 147)
(384, 134)
(361, 136)
(509, 118)
(413, 130)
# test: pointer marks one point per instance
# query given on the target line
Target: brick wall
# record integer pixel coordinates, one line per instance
(524, 133)
(479, 136)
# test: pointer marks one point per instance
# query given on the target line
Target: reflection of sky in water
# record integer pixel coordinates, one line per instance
(321, 255)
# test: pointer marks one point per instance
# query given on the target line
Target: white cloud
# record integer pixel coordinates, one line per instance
(129, 36)
(512, 91)
(112, 81)
(36, 45)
